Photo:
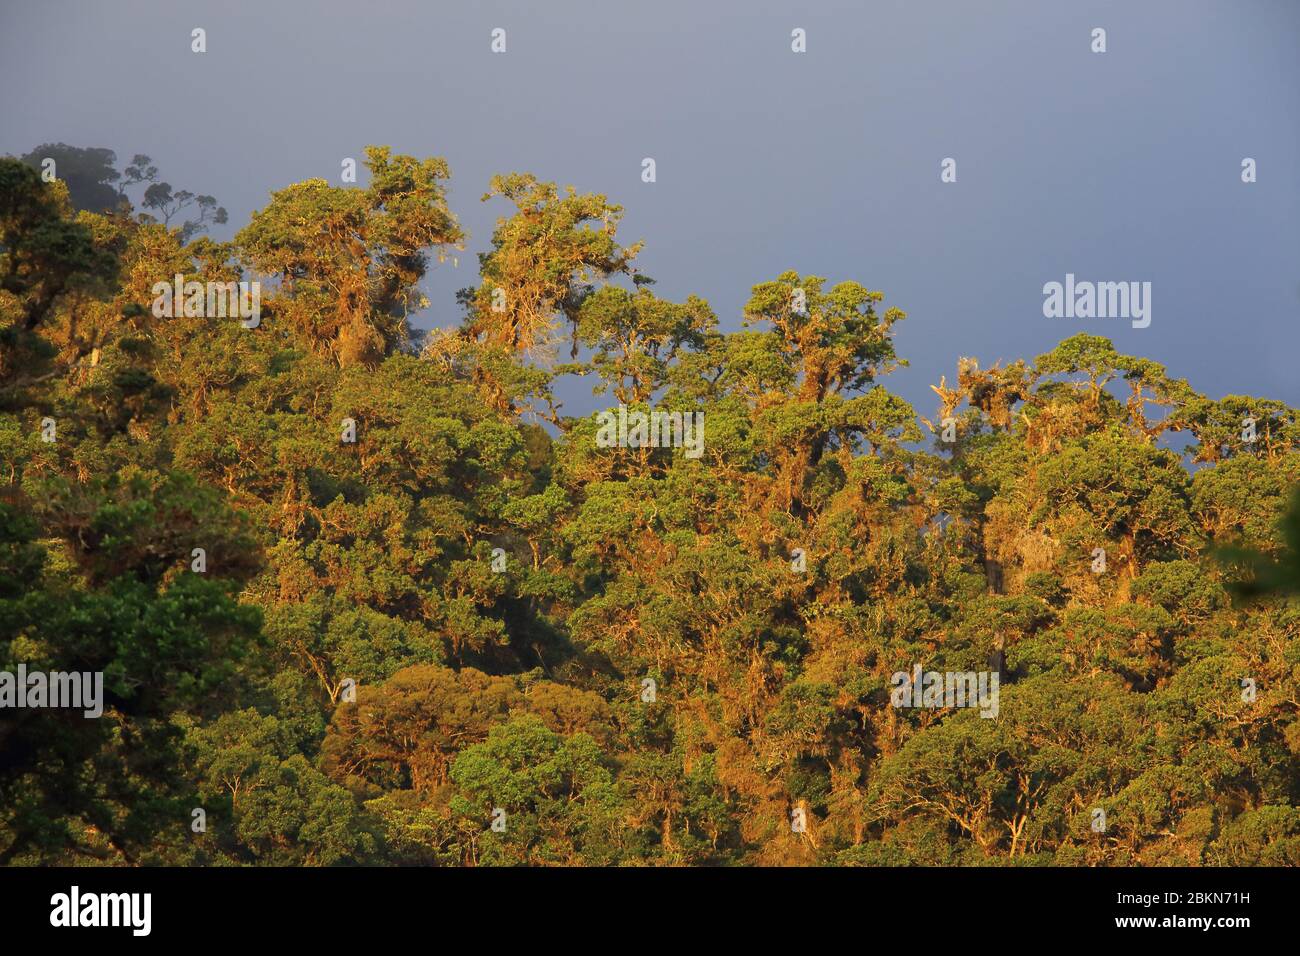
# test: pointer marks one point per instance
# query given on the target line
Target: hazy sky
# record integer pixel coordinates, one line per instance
(1117, 166)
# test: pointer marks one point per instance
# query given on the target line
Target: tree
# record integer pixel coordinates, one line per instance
(90, 174)
(349, 260)
(352, 601)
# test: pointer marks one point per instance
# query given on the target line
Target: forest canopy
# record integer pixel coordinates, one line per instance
(364, 595)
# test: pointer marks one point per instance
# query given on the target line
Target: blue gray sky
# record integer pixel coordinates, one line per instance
(1123, 165)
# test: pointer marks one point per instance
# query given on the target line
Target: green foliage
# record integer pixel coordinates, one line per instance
(463, 609)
